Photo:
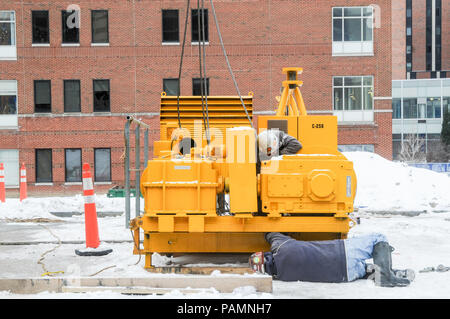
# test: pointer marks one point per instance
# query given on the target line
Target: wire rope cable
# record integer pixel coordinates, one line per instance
(228, 63)
(181, 63)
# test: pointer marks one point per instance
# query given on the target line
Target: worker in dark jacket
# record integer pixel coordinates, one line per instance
(275, 142)
(332, 261)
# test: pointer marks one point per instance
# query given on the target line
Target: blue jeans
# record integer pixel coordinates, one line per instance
(358, 250)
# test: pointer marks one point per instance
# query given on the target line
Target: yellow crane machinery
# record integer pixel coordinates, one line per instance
(211, 195)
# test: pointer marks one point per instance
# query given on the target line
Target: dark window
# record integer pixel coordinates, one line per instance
(70, 26)
(72, 98)
(73, 164)
(7, 28)
(434, 107)
(397, 108)
(197, 89)
(102, 158)
(337, 29)
(410, 108)
(42, 96)
(8, 104)
(40, 23)
(409, 35)
(101, 96)
(44, 166)
(100, 33)
(170, 86)
(170, 27)
(195, 25)
(438, 20)
(429, 34)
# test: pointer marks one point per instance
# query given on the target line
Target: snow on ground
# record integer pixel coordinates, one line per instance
(420, 241)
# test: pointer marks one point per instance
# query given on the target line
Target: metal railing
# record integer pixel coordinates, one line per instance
(137, 169)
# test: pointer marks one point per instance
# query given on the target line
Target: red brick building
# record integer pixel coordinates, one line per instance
(69, 78)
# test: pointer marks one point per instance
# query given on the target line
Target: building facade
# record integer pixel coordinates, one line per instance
(421, 71)
(70, 73)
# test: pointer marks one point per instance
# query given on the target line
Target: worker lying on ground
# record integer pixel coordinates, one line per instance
(333, 261)
(274, 143)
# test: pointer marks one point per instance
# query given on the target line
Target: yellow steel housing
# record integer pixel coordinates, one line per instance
(309, 195)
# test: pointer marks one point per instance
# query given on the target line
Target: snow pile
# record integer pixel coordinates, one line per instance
(390, 186)
(34, 207)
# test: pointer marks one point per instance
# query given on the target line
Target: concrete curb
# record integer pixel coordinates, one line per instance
(399, 213)
(99, 214)
(67, 242)
(222, 283)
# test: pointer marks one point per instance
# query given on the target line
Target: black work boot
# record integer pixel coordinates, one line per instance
(384, 275)
(401, 273)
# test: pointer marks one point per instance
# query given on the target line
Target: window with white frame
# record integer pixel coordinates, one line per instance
(8, 49)
(353, 30)
(353, 93)
(8, 104)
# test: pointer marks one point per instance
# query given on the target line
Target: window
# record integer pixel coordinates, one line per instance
(73, 165)
(446, 104)
(41, 34)
(357, 148)
(44, 166)
(10, 160)
(170, 28)
(396, 108)
(8, 104)
(102, 158)
(101, 96)
(99, 21)
(197, 89)
(434, 107)
(70, 27)
(353, 93)
(8, 35)
(410, 108)
(195, 22)
(352, 30)
(429, 34)
(42, 96)
(72, 98)
(438, 26)
(170, 86)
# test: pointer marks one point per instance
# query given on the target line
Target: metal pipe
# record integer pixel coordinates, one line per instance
(139, 122)
(137, 165)
(145, 148)
(127, 173)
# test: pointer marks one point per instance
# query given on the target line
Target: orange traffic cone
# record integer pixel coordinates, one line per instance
(90, 218)
(2, 184)
(23, 182)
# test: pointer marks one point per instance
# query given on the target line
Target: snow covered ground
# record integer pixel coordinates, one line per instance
(383, 186)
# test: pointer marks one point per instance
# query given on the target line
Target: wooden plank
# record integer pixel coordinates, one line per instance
(129, 290)
(223, 283)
